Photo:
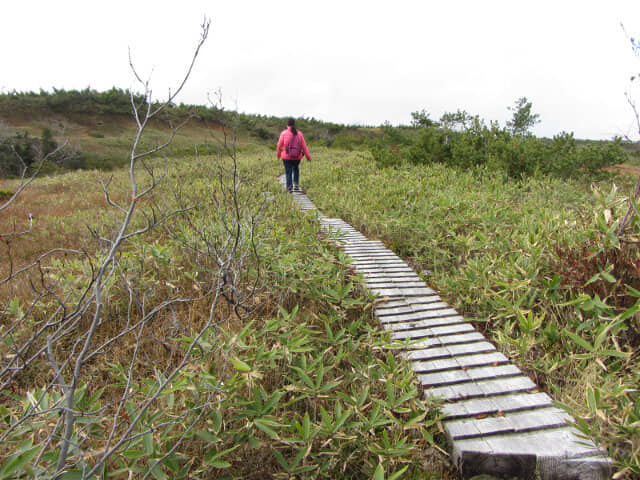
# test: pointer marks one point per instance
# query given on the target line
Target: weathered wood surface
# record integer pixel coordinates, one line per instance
(418, 323)
(496, 420)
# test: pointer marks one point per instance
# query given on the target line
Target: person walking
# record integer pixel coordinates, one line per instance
(291, 148)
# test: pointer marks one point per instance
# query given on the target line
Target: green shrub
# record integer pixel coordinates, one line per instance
(431, 145)
(5, 195)
(595, 157)
(477, 144)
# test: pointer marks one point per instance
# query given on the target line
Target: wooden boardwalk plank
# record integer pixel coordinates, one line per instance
(394, 283)
(494, 423)
(461, 338)
(531, 420)
(416, 304)
(459, 362)
(386, 276)
(421, 324)
(433, 332)
(393, 280)
(448, 351)
(403, 292)
(377, 255)
(482, 388)
(377, 259)
(402, 276)
(381, 261)
(378, 269)
(452, 377)
(494, 405)
(368, 245)
(562, 442)
(409, 284)
(355, 251)
(404, 270)
(417, 316)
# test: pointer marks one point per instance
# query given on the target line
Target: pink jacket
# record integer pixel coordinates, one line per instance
(285, 138)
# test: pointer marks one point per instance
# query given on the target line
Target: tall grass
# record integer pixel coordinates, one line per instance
(304, 385)
(535, 263)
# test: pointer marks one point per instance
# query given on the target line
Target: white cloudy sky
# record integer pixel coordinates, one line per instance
(348, 61)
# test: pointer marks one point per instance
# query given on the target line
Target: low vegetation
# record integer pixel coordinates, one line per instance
(298, 382)
(98, 127)
(234, 340)
(536, 263)
(464, 141)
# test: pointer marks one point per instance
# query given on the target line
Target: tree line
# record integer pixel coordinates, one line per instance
(458, 139)
(462, 140)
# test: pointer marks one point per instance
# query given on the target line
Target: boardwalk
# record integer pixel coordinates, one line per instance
(496, 421)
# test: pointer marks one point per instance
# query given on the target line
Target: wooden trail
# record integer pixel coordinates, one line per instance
(496, 420)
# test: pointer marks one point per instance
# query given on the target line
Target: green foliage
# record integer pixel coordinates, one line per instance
(23, 154)
(536, 262)
(466, 141)
(320, 409)
(17, 153)
(105, 119)
(421, 119)
(307, 387)
(5, 195)
(47, 143)
(523, 120)
(389, 149)
(430, 146)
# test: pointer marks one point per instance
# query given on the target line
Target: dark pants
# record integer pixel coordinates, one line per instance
(292, 172)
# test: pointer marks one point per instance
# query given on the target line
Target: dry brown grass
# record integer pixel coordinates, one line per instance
(625, 169)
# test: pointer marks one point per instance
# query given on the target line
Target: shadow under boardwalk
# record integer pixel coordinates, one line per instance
(496, 421)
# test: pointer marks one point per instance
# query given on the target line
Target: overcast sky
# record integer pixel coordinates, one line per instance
(349, 61)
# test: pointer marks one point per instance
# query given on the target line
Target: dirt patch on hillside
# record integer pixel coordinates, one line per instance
(625, 169)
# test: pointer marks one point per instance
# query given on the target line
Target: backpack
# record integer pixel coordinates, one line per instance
(294, 147)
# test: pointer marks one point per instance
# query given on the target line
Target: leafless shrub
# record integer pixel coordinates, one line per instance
(631, 210)
(67, 334)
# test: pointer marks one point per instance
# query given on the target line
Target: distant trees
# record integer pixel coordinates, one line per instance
(84, 105)
(421, 119)
(22, 154)
(523, 120)
(463, 140)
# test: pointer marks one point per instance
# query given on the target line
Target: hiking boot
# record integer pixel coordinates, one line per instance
(296, 188)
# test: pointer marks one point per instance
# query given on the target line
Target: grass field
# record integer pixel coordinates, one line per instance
(536, 263)
(294, 379)
(234, 341)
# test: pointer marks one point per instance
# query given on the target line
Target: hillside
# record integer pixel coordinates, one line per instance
(99, 126)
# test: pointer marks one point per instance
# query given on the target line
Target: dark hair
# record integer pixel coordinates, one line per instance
(292, 123)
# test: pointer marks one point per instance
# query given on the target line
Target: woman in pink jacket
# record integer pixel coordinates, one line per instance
(291, 148)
